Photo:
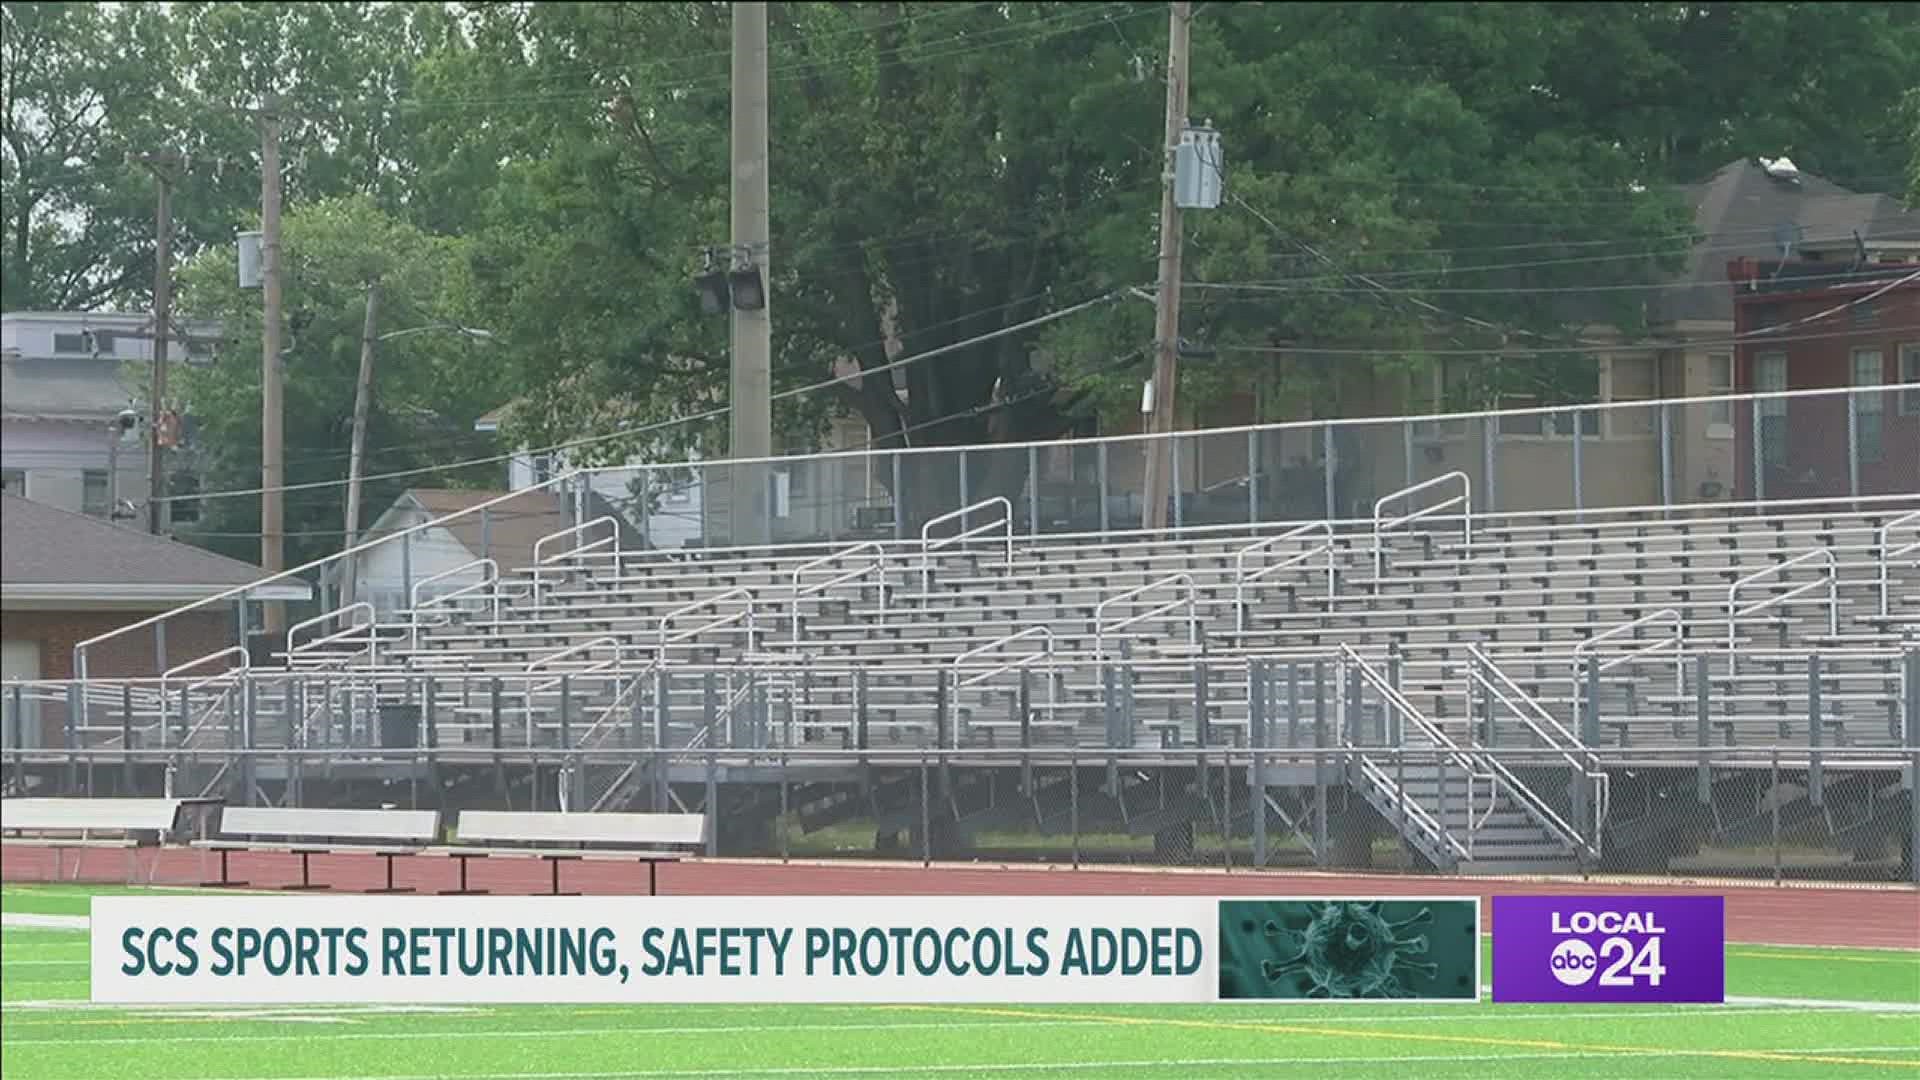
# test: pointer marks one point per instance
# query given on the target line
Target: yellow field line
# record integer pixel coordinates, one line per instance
(1404, 1036)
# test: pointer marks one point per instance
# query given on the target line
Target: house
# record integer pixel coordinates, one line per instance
(674, 503)
(1811, 324)
(73, 387)
(66, 577)
(448, 556)
(1751, 208)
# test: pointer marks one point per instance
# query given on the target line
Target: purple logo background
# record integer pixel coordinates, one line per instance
(1533, 961)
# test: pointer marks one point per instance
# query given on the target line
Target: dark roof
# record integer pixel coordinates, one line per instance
(1741, 211)
(45, 545)
(510, 528)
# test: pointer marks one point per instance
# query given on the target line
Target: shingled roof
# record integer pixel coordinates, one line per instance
(49, 554)
(1743, 213)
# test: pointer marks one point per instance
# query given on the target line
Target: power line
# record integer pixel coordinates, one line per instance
(694, 418)
(1589, 348)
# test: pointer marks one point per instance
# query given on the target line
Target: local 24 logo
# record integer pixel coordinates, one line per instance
(1618, 962)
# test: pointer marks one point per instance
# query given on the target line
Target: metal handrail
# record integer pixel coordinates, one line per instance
(1678, 641)
(166, 677)
(1046, 653)
(1241, 579)
(1414, 812)
(1192, 601)
(1557, 738)
(585, 646)
(741, 592)
(928, 545)
(1883, 534)
(328, 639)
(1445, 746)
(613, 537)
(1734, 612)
(1382, 524)
(415, 605)
(878, 568)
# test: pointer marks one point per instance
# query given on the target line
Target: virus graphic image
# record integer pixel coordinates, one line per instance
(1348, 950)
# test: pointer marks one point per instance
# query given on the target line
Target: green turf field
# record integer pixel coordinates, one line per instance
(1793, 1013)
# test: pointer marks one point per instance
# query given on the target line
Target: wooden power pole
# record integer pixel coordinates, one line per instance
(362, 395)
(272, 444)
(1166, 324)
(750, 378)
(159, 432)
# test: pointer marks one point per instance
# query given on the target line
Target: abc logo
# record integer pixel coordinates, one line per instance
(1573, 962)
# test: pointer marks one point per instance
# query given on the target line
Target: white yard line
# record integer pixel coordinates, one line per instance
(36, 921)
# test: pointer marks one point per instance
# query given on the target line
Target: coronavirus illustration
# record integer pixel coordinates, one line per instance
(1348, 950)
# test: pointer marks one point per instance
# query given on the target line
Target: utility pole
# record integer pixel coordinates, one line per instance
(750, 379)
(362, 392)
(161, 164)
(272, 462)
(1166, 323)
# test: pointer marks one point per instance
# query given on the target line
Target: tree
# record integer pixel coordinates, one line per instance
(427, 388)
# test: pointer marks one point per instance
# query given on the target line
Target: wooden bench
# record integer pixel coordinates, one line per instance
(481, 833)
(129, 824)
(389, 834)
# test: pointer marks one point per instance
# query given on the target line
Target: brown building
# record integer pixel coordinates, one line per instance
(1806, 325)
(67, 577)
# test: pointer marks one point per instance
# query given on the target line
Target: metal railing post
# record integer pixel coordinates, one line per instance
(1320, 851)
(1259, 682)
(1253, 476)
(1327, 462)
(1100, 461)
(1703, 734)
(1666, 455)
(1816, 776)
(1033, 491)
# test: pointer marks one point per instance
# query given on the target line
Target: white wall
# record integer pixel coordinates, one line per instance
(55, 456)
(385, 573)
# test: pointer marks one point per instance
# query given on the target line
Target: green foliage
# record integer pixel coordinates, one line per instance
(428, 387)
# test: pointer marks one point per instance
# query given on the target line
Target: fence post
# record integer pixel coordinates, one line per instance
(1202, 727)
(1773, 808)
(1173, 476)
(1666, 456)
(1911, 721)
(1589, 732)
(1257, 698)
(1033, 492)
(862, 734)
(709, 707)
(1100, 460)
(1293, 703)
(926, 816)
(566, 712)
(1390, 719)
(1578, 504)
(1073, 802)
(899, 500)
(1704, 731)
(1320, 762)
(1024, 704)
(942, 703)
(1253, 476)
(1326, 450)
(713, 802)
(1816, 776)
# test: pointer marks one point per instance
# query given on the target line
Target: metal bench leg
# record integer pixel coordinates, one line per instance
(306, 879)
(390, 886)
(225, 881)
(462, 890)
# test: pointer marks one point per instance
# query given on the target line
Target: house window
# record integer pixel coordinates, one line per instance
(15, 481)
(70, 344)
(1719, 384)
(94, 497)
(1910, 373)
(1770, 376)
(1864, 314)
(1869, 369)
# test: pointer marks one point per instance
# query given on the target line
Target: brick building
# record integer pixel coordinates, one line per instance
(1805, 325)
(66, 577)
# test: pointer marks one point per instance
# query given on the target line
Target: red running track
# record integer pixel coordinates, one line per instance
(1795, 915)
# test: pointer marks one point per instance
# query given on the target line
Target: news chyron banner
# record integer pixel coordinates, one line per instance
(1609, 949)
(834, 949)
